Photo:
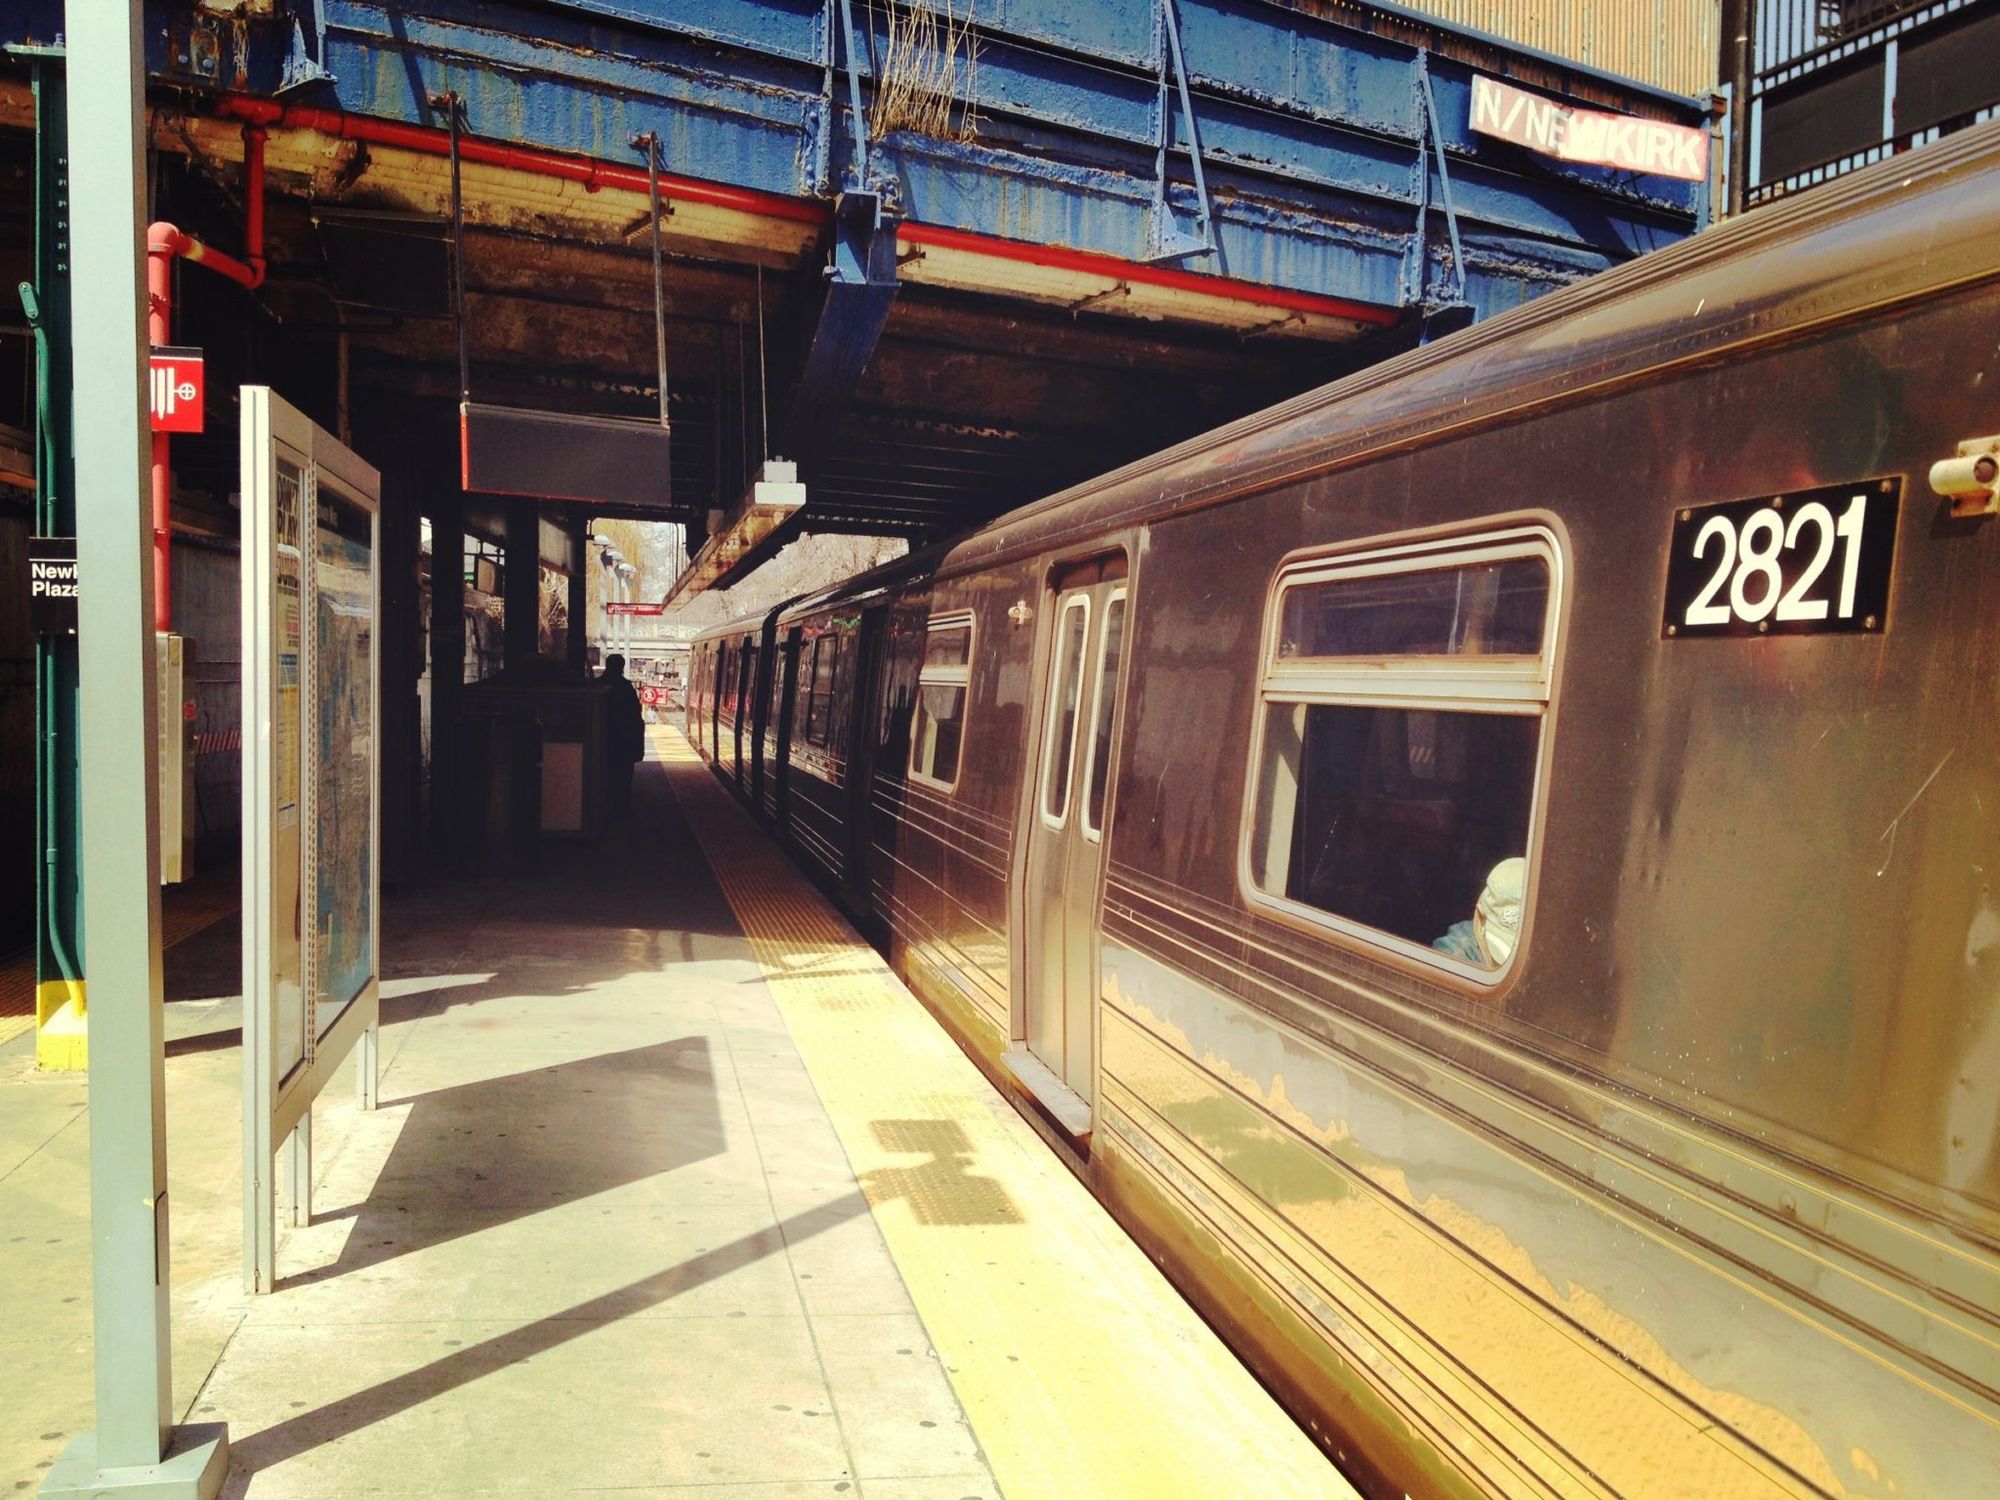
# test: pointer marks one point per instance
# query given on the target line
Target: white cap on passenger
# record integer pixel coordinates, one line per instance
(1496, 920)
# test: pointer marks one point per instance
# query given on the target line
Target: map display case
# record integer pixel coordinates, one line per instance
(311, 825)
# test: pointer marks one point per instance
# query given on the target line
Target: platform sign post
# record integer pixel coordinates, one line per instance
(312, 599)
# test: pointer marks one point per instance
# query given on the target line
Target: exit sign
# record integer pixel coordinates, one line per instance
(176, 389)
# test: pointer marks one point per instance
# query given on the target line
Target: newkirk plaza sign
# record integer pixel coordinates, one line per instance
(1585, 135)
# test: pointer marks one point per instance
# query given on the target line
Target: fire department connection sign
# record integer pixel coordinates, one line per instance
(1584, 135)
(176, 390)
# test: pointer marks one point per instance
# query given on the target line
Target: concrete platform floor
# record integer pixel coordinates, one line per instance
(607, 1231)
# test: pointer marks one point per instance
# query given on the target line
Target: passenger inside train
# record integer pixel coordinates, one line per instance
(1490, 934)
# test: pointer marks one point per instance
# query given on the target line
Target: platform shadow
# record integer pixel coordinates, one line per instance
(327, 1424)
(479, 1155)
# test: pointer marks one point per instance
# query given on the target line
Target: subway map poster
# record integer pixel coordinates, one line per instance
(344, 763)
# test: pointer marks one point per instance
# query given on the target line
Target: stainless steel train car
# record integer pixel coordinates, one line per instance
(1489, 868)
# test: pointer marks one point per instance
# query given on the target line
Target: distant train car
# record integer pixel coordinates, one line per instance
(1489, 868)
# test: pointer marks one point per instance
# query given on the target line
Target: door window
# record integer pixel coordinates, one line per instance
(819, 696)
(1104, 710)
(1072, 629)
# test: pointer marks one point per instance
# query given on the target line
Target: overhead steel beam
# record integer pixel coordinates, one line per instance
(860, 288)
(1309, 127)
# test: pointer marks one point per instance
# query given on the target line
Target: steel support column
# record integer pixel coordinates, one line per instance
(860, 289)
(135, 1448)
(576, 640)
(401, 754)
(61, 1040)
(521, 585)
(447, 663)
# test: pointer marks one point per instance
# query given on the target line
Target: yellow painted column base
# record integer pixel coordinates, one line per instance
(62, 1041)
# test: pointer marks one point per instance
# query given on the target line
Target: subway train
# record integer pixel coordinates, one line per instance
(1488, 868)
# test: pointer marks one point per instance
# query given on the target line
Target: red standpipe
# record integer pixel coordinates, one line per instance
(594, 174)
(163, 244)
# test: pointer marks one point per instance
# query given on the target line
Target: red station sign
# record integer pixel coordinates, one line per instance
(177, 389)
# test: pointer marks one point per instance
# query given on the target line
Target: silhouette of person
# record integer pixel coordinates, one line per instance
(624, 733)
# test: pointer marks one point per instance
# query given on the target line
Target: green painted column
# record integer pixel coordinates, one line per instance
(60, 1041)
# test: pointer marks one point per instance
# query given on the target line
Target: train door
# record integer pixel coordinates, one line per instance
(1065, 824)
(716, 702)
(746, 685)
(755, 722)
(865, 697)
(784, 681)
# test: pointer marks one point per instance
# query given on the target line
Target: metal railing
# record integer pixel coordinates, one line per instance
(1837, 84)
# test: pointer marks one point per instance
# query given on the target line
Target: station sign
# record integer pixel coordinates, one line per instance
(52, 584)
(1585, 135)
(177, 389)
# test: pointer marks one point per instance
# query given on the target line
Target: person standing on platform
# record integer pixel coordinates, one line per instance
(624, 733)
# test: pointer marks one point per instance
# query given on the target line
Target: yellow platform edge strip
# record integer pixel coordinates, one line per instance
(1082, 1372)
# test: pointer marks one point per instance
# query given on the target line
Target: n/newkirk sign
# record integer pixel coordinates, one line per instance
(1585, 135)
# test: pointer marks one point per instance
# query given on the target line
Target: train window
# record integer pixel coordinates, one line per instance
(1104, 709)
(1058, 762)
(942, 684)
(819, 708)
(802, 676)
(808, 670)
(1398, 758)
(1483, 609)
(725, 682)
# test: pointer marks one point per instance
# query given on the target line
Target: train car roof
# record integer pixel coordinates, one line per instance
(1905, 227)
(746, 624)
(863, 586)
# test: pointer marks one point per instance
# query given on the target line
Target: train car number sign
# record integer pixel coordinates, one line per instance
(1807, 563)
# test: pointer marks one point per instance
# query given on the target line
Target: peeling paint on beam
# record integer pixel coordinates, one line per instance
(325, 167)
(1309, 124)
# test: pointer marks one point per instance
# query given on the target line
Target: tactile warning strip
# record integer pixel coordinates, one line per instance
(1084, 1375)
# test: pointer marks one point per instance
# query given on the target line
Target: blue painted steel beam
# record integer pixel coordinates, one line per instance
(860, 289)
(1312, 132)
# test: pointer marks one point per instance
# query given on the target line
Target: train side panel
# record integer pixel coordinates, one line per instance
(1734, 1117)
(965, 814)
(1693, 1184)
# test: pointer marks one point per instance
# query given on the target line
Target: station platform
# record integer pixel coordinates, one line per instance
(674, 1191)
